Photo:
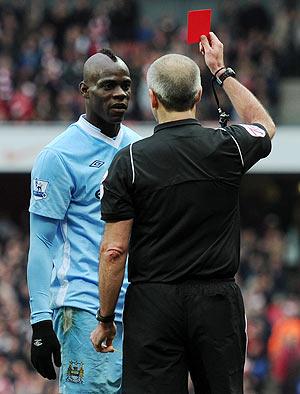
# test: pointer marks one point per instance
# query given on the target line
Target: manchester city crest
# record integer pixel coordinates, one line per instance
(75, 372)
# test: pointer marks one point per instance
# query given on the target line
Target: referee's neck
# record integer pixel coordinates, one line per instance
(164, 116)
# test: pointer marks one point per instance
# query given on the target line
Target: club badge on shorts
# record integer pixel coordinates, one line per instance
(75, 372)
(39, 189)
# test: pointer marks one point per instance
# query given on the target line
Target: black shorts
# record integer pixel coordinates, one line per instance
(170, 330)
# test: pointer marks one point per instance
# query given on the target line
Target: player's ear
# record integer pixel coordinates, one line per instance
(84, 89)
(153, 99)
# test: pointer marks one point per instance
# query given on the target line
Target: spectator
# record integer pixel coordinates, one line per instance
(56, 40)
(284, 348)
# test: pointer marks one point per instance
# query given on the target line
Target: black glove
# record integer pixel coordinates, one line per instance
(44, 344)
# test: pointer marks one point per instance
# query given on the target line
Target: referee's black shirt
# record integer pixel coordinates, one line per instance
(181, 186)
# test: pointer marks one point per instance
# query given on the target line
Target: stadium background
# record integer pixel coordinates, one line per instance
(43, 45)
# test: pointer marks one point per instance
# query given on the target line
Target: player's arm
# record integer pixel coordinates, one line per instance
(51, 188)
(39, 270)
(113, 253)
(247, 106)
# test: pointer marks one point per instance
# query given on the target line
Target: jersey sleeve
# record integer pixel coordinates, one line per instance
(51, 186)
(39, 268)
(116, 202)
(253, 143)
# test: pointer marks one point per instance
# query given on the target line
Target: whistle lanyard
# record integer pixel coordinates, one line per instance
(223, 116)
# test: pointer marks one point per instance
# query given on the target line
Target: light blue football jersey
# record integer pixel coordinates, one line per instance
(65, 185)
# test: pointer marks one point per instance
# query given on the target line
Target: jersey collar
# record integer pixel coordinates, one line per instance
(181, 122)
(94, 131)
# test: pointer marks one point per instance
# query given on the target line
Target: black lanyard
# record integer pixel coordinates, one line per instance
(223, 116)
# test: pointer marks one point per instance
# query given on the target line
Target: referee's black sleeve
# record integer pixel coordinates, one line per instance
(116, 203)
(253, 143)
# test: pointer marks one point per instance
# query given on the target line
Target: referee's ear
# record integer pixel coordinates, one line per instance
(198, 96)
(84, 89)
(153, 99)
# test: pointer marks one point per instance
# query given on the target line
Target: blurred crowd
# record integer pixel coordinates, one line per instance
(43, 45)
(16, 373)
(269, 278)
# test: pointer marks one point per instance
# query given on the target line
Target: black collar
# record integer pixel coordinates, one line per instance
(175, 123)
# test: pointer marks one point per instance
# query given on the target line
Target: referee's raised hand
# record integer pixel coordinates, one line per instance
(212, 50)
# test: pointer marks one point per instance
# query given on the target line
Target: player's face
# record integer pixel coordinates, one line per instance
(109, 95)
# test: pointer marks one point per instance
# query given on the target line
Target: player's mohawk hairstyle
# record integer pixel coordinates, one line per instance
(108, 52)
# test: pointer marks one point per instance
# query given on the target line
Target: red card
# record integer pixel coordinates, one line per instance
(198, 25)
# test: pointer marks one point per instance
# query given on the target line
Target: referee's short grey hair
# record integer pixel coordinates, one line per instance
(175, 79)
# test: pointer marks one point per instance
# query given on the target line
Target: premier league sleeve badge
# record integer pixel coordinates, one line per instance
(39, 189)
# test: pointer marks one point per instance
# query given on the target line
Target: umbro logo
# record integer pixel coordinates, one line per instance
(37, 342)
(97, 163)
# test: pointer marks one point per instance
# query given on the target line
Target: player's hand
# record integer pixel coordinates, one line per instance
(212, 50)
(102, 337)
(44, 345)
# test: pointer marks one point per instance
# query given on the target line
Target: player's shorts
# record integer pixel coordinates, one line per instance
(83, 370)
(173, 329)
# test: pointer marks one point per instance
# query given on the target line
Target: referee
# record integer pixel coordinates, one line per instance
(173, 200)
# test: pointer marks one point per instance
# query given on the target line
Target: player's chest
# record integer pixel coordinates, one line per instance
(89, 180)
